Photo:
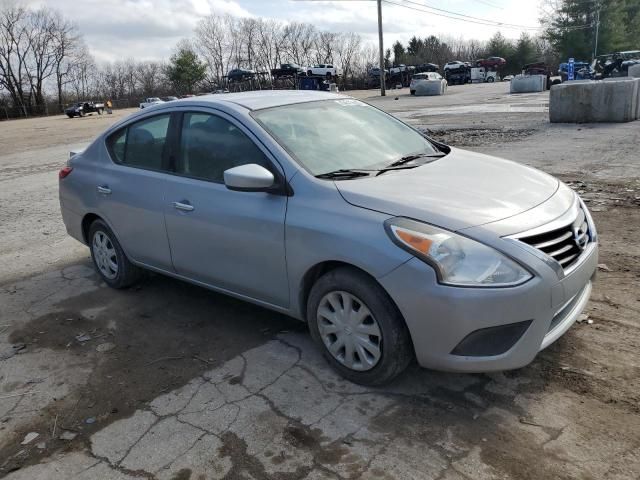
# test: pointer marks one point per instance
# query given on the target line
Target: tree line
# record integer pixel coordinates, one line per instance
(44, 59)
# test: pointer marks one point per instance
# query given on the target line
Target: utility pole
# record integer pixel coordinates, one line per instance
(595, 48)
(382, 72)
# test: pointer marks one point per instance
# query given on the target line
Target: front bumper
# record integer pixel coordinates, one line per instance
(439, 317)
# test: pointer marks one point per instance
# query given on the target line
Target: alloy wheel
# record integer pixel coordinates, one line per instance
(349, 331)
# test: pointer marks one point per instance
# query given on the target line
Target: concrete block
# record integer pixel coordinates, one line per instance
(528, 83)
(615, 100)
(429, 88)
(634, 71)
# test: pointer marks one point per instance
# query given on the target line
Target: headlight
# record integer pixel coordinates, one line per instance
(457, 260)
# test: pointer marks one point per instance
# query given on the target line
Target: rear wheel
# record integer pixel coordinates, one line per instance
(490, 80)
(358, 327)
(109, 259)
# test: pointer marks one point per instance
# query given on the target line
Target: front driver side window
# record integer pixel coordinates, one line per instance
(210, 145)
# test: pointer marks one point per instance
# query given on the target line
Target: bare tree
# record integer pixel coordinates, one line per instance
(14, 49)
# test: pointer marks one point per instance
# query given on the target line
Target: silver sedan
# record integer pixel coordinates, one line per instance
(391, 246)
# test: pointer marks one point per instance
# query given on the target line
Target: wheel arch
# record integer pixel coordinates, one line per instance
(316, 271)
(91, 217)
(87, 220)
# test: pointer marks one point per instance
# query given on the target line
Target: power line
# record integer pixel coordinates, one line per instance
(471, 19)
(469, 16)
(490, 4)
(477, 21)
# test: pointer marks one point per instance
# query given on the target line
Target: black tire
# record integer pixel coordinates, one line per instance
(490, 80)
(70, 116)
(309, 73)
(396, 347)
(412, 92)
(127, 273)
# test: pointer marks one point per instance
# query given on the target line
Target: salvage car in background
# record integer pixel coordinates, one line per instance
(324, 70)
(430, 83)
(390, 245)
(455, 64)
(151, 101)
(240, 74)
(80, 109)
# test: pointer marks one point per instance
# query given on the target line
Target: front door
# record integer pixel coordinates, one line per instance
(227, 239)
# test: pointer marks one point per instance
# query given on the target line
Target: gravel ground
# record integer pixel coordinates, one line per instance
(167, 380)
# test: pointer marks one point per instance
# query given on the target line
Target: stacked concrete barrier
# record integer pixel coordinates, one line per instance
(634, 71)
(429, 88)
(613, 100)
(528, 83)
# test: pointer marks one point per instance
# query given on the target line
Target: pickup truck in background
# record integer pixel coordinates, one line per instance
(150, 101)
(80, 109)
(324, 70)
(287, 70)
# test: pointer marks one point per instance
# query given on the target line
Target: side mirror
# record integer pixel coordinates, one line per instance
(249, 178)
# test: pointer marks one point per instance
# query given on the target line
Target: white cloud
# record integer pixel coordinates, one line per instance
(146, 29)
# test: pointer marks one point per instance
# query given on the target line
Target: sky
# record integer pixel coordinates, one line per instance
(150, 29)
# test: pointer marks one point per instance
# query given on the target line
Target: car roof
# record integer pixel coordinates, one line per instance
(257, 100)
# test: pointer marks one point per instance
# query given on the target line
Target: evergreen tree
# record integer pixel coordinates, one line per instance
(524, 53)
(185, 70)
(398, 53)
(571, 28)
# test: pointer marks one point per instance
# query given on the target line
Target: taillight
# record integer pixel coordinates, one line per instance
(64, 172)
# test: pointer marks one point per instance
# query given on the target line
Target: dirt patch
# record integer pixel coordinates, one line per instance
(600, 195)
(474, 137)
(161, 334)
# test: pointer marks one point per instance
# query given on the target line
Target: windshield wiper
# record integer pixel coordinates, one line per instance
(345, 173)
(411, 158)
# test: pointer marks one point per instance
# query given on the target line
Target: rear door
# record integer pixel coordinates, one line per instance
(130, 188)
(228, 239)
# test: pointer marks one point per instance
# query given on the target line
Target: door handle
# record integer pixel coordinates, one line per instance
(185, 207)
(104, 190)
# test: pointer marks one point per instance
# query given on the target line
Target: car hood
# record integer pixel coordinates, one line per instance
(461, 190)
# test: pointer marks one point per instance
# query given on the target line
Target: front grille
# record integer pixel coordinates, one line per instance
(564, 244)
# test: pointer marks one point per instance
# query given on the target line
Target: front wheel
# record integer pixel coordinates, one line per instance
(490, 80)
(109, 259)
(358, 327)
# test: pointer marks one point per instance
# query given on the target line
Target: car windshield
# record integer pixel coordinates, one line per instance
(342, 134)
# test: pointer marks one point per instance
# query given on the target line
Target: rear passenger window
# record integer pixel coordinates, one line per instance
(141, 144)
(210, 145)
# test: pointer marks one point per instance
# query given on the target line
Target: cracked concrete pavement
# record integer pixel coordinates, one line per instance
(201, 386)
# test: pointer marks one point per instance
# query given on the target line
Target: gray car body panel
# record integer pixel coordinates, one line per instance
(458, 184)
(482, 197)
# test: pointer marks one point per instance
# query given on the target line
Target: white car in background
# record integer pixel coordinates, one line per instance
(427, 83)
(151, 101)
(324, 70)
(454, 64)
